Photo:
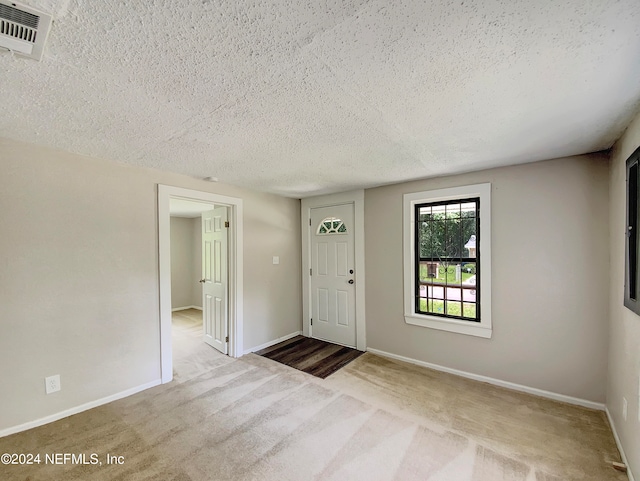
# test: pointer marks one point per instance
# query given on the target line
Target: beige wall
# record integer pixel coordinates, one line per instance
(624, 337)
(550, 278)
(196, 249)
(79, 276)
(185, 271)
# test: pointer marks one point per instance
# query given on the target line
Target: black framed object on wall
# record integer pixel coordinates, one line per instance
(632, 243)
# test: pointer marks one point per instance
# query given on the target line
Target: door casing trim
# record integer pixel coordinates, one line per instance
(235, 272)
(356, 198)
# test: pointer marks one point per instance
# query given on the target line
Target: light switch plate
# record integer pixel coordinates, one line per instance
(276, 259)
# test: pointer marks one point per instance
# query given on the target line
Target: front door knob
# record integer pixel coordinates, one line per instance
(350, 281)
(202, 281)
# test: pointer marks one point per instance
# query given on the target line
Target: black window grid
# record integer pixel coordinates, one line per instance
(419, 258)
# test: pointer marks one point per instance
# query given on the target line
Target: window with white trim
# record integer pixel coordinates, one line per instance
(447, 259)
(632, 241)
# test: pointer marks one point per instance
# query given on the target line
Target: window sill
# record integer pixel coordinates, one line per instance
(451, 325)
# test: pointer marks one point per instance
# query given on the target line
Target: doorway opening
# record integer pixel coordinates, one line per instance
(214, 305)
(199, 257)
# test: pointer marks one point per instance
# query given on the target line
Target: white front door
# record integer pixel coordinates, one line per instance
(332, 275)
(214, 278)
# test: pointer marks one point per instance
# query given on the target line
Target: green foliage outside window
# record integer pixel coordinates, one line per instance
(444, 235)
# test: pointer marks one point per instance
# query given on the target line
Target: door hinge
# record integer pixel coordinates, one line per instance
(309, 222)
(226, 223)
(312, 321)
(226, 339)
(310, 272)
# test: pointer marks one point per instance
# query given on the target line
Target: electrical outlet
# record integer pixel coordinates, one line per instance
(52, 384)
(276, 260)
(624, 408)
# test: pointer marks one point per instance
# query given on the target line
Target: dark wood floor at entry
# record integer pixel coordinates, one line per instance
(312, 356)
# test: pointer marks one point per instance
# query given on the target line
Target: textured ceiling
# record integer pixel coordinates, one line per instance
(307, 97)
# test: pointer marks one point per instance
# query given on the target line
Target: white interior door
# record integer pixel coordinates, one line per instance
(214, 278)
(332, 275)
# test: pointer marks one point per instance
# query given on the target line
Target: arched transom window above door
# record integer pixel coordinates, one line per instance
(331, 225)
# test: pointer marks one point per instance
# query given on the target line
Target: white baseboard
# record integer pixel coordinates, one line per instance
(496, 382)
(77, 409)
(174, 309)
(272, 343)
(619, 444)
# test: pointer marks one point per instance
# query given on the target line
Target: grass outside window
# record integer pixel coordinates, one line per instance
(454, 308)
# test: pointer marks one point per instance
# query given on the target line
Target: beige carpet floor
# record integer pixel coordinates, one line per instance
(375, 419)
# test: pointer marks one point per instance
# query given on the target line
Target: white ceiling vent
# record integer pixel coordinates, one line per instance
(23, 30)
